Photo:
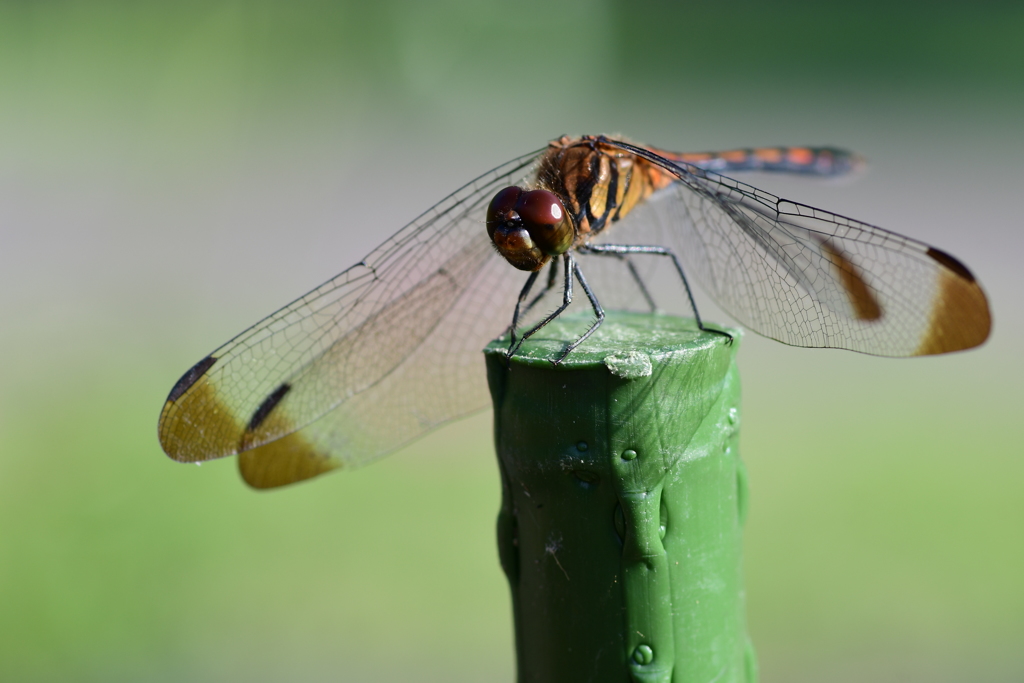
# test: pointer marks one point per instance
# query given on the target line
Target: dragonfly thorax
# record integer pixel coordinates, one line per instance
(529, 227)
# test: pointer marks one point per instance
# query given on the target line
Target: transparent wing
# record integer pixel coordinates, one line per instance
(809, 277)
(366, 362)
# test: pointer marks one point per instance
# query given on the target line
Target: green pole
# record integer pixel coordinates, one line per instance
(623, 499)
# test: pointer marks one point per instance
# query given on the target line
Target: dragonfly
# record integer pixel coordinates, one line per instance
(390, 348)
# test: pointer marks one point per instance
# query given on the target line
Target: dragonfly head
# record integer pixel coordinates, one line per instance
(528, 227)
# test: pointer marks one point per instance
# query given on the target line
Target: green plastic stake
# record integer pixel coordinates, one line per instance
(623, 499)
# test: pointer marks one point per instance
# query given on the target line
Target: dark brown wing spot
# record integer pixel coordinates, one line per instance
(190, 378)
(865, 305)
(269, 403)
(951, 263)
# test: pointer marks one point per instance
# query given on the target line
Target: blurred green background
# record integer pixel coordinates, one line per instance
(171, 172)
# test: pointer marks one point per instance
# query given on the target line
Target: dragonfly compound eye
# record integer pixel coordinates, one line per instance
(545, 219)
(501, 207)
(509, 233)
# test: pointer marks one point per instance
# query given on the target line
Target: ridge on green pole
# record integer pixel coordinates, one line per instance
(623, 499)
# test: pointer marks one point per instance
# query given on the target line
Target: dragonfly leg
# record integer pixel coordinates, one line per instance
(658, 251)
(570, 267)
(515, 316)
(552, 278)
(632, 271)
(598, 311)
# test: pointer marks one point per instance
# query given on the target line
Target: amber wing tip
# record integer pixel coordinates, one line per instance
(287, 460)
(960, 317)
(195, 424)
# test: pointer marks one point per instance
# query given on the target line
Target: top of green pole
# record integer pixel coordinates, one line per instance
(625, 343)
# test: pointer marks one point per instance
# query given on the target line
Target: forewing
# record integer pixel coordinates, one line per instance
(431, 294)
(441, 379)
(808, 277)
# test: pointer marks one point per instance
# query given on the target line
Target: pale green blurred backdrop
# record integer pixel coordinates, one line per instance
(171, 172)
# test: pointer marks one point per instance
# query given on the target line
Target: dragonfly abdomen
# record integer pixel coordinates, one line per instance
(819, 161)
